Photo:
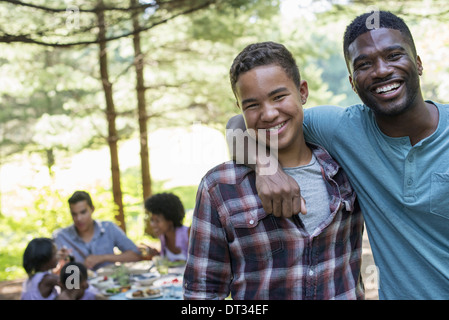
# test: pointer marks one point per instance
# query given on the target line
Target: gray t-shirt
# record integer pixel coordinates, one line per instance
(314, 191)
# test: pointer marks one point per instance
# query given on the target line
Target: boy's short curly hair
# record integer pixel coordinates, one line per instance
(168, 205)
(262, 54)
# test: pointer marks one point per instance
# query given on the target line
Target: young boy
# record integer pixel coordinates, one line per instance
(235, 246)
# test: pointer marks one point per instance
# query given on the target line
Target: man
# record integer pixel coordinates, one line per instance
(395, 148)
(92, 242)
(235, 246)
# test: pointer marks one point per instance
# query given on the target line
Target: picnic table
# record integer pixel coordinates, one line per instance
(139, 281)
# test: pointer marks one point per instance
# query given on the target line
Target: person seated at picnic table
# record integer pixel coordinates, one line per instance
(90, 241)
(73, 282)
(167, 214)
(39, 258)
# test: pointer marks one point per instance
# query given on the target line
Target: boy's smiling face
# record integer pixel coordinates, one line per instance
(271, 103)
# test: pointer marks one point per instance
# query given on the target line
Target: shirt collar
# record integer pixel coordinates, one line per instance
(329, 165)
(98, 231)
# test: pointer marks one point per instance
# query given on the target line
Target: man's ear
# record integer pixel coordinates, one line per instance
(419, 65)
(352, 84)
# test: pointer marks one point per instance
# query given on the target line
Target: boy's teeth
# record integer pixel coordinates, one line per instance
(387, 88)
(276, 127)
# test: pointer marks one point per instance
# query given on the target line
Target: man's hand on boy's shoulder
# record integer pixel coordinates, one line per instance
(280, 194)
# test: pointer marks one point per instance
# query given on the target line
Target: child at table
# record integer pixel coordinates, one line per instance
(167, 214)
(39, 258)
(74, 285)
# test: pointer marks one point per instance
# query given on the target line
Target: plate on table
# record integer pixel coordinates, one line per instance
(145, 279)
(102, 282)
(169, 279)
(137, 268)
(144, 293)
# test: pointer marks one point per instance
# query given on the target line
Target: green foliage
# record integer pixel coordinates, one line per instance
(50, 211)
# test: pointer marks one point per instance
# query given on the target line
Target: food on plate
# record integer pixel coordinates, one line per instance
(116, 290)
(138, 294)
(125, 288)
(90, 274)
(113, 290)
(152, 291)
(144, 293)
(169, 280)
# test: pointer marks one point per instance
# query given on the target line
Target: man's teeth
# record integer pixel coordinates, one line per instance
(276, 127)
(387, 88)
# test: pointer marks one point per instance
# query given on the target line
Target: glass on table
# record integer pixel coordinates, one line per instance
(161, 264)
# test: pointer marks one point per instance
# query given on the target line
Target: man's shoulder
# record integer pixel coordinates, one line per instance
(442, 106)
(106, 226)
(228, 172)
(64, 231)
(333, 111)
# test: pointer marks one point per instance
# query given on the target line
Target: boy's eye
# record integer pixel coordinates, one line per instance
(279, 97)
(250, 106)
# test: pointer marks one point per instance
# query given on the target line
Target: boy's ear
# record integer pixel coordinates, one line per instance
(304, 91)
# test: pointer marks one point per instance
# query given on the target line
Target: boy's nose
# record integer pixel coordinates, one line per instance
(269, 112)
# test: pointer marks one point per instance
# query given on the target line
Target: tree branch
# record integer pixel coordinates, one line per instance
(24, 38)
(93, 10)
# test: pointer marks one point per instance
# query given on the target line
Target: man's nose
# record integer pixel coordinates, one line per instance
(382, 69)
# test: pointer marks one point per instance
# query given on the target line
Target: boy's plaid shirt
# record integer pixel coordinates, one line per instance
(235, 247)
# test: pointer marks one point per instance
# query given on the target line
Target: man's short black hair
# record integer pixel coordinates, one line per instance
(78, 196)
(386, 20)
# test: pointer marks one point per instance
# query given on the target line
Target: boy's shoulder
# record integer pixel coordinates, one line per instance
(227, 173)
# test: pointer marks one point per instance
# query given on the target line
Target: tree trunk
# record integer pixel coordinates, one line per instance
(142, 114)
(110, 115)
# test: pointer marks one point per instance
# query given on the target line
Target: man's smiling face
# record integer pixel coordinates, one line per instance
(384, 72)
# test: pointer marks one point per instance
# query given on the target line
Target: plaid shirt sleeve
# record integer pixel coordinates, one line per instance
(208, 269)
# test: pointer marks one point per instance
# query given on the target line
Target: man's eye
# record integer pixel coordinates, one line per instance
(362, 65)
(394, 56)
